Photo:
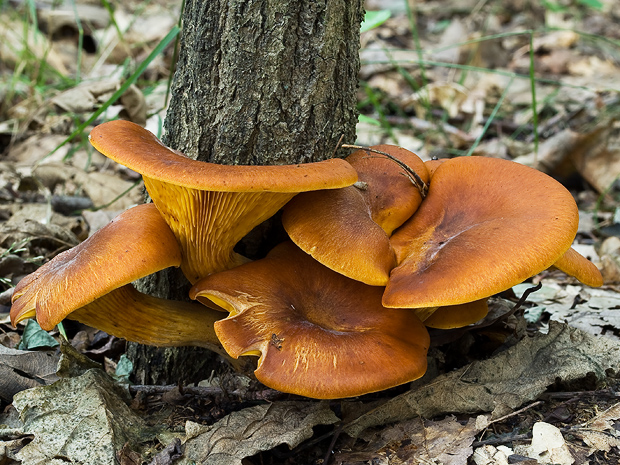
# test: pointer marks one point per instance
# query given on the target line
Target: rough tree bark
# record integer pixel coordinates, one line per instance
(257, 82)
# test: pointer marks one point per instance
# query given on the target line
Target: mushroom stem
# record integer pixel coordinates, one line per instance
(137, 317)
(414, 177)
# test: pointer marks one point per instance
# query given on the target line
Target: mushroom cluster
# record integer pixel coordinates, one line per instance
(382, 246)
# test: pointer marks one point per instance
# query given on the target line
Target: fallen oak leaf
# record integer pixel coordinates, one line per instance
(252, 430)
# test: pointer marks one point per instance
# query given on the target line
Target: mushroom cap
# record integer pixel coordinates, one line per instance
(574, 264)
(486, 225)
(335, 227)
(348, 229)
(138, 149)
(458, 316)
(210, 207)
(432, 165)
(318, 333)
(390, 194)
(135, 244)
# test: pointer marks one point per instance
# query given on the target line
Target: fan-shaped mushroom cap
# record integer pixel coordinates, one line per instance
(486, 225)
(135, 244)
(574, 264)
(457, 316)
(210, 207)
(318, 333)
(348, 229)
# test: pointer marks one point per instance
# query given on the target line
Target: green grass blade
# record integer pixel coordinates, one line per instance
(490, 119)
(533, 90)
(373, 19)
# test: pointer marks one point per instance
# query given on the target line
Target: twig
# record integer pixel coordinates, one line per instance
(330, 449)
(570, 395)
(502, 440)
(337, 146)
(517, 412)
(423, 125)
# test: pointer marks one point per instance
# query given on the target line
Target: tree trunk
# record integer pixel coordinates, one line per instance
(257, 82)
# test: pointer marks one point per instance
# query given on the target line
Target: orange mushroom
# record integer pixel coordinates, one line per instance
(457, 316)
(574, 264)
(91, 283)
(348, 229)
(210, 207)
(317, 333)
(486, 225)
(135, 244)
(138, 317)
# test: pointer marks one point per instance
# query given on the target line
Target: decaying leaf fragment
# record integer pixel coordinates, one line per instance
(548, 445)
(252, 430)
(82, 420)
(504, 382)
(419, 441)
(20, 369)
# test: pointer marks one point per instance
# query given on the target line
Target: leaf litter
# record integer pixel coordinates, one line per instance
(478, 406)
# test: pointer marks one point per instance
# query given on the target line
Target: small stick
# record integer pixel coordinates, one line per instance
(338, 145)
(411, 174)
(517, 412)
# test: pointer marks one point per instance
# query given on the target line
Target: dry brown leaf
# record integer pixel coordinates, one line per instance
(22, 369)
(88, 95)
(449, 96)
(603, 421)
(489, 455)
(19, 39)
(83, 419)
(449, 48)
(597, 440)
(447, 441)
(587, 153)
(600, 165)
(592, 310)
(252, 430)
(35, 149)
(102, 188)
(63, 16)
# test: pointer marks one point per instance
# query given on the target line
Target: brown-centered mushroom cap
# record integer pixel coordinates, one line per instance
(136, 243)
(486, 225)
(348, 229)
(574, 264)
(318, 333)
(210, 207)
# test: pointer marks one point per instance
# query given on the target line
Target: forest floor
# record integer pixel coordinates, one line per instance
(535, 81)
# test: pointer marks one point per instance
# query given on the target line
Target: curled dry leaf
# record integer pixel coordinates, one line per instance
(255, 429)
